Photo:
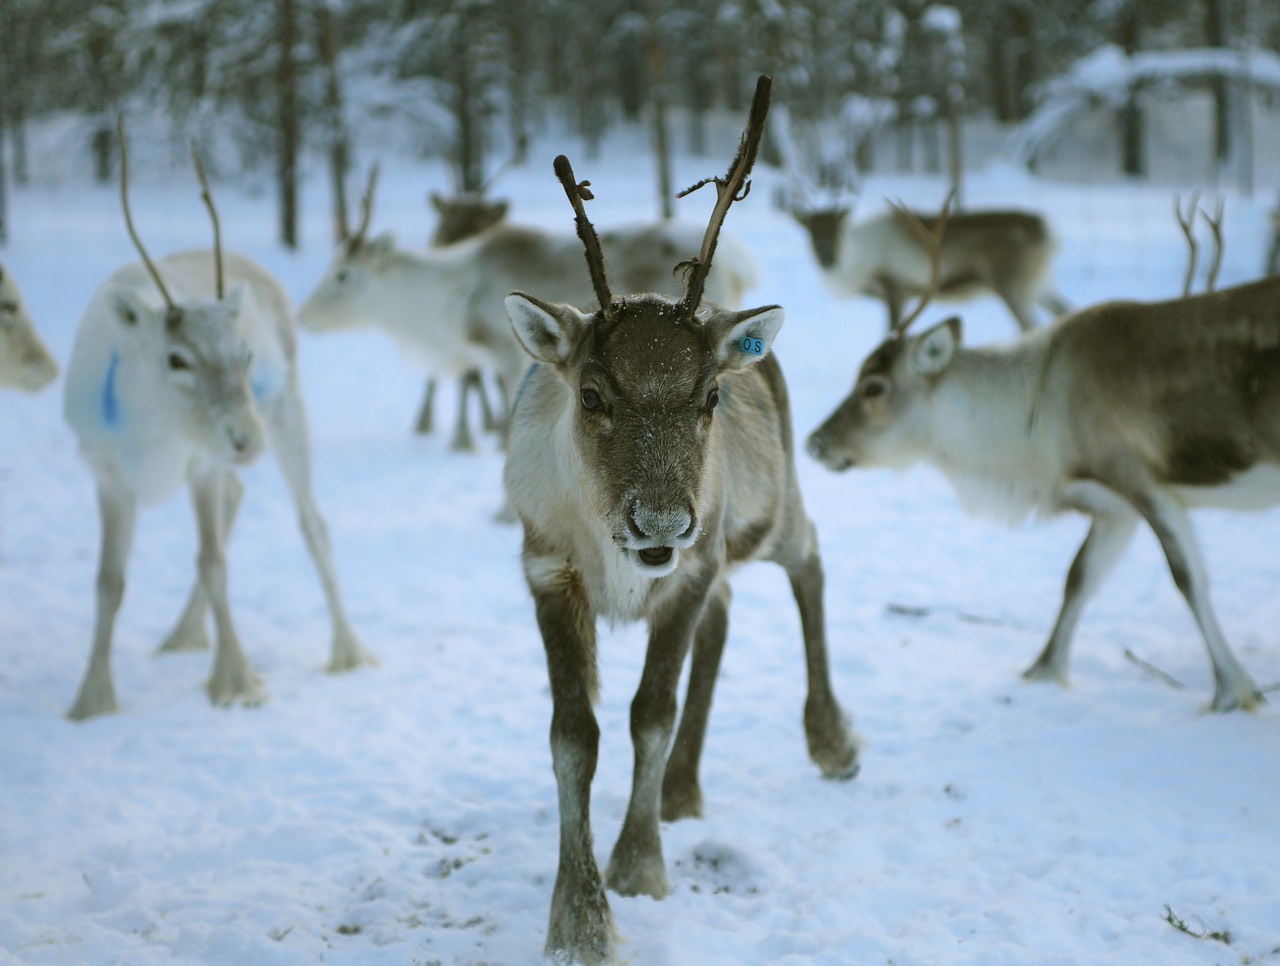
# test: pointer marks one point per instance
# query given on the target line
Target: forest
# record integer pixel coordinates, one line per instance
(866, 83)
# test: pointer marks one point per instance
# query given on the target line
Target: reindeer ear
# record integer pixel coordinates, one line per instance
(546, 330)
(932, 351)
(743, 338)
(130, 308)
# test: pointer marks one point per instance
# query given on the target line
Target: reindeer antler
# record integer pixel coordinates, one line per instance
(207, 198)
(173, 313)
(579, 192)
(734, 186)
(355, 239)
(1215, 226)
(932, 240)
(1184, 222)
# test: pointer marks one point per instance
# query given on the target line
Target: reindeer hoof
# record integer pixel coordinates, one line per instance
(91, 702)
(348, 654)
(243, 687)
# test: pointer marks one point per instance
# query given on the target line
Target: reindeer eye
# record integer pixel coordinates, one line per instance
(713, 399)
(177, 363)
(591, 400)
(874, 388)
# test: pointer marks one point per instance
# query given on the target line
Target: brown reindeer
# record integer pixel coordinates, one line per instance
(650, 452)
(1123, 411)
(1006, 253)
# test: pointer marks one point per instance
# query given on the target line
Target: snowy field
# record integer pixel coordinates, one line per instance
(407, 814)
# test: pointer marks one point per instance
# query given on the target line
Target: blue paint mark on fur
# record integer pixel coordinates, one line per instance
(265, 383)
(523, 384)
(109, 402)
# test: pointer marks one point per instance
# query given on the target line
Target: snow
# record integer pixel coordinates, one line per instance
(407, 813)
(1106, 76)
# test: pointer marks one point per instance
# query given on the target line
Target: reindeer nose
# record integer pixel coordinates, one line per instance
(666, 525)
(816, 446)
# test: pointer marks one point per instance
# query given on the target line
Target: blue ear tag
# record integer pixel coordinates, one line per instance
(751, 346)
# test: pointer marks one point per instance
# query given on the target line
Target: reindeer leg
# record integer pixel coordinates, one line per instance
(462, 441)
(1053, 302)
(581, 926)
(190, 634)
(636, 866)
(232, 678)
(290, 439)
(489, 417)
(422, 425)
(681, 790)
(118, 508)
(1113, 523)
(833, 745)
(1021, 308)
(1233, 687)
(893, 304)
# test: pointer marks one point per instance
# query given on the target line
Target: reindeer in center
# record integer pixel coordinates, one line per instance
(651, 452)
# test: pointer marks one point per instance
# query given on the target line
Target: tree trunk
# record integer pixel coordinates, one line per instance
(658, 94)
(1216, 36)
(290, 123)
(339, 150)
(1133, 160)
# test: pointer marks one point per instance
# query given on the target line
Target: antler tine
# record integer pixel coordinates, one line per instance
(579, 192)
(732, 187)
(173, 311)
(1215, 226)
(932, 240)
(207, 198)
(1184, 222)
(366, 209)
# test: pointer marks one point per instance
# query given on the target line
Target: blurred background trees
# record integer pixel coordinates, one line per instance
(865, 83)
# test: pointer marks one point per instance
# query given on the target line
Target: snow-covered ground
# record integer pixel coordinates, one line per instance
(407, 813)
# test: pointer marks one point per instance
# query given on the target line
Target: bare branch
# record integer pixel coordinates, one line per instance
(522, 146)
(1185, 223)
(732, 187)
(207, 198)
(931, 238)
(173, 313)
(578, 192)
(1215, 226)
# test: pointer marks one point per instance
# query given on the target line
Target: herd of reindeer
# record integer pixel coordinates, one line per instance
(649, 445)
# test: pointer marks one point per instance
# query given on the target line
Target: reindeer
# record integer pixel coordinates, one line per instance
(177, 377)
(1122, 411)
(443, 307)
(1008, 253)
(459, 217)
(650, 453)
(25, 362)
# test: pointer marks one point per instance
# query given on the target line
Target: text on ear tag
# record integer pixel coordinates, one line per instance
(752, 346)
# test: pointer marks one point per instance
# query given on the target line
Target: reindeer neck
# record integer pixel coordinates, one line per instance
(993, 437)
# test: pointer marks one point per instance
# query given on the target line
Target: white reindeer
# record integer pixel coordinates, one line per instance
(1007, 253)
(173, 381)
(444, 307)
(1124, 411)
(25, 361)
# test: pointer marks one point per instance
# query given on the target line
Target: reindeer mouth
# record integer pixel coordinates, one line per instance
(655, 556)
(654, 562)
